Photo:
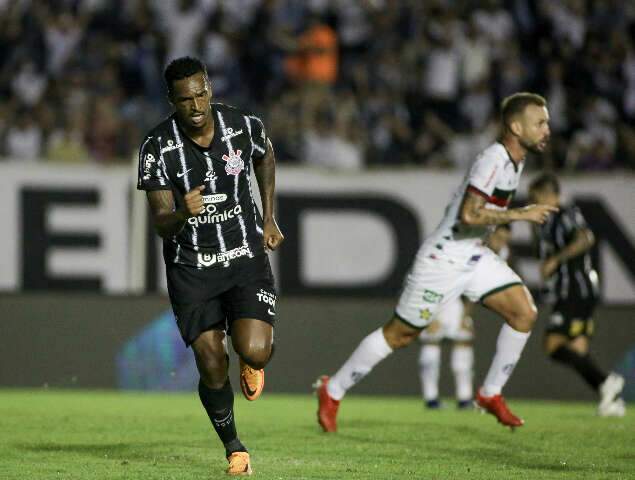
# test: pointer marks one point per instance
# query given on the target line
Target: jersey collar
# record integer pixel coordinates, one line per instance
(511, 159)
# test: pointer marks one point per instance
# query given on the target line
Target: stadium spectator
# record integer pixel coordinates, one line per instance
(68, 144)
(24, 138)
(314, 58)
(438, 62)
(327, 143)
(28, 85)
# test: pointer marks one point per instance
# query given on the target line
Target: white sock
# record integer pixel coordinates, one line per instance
(372, 350)
(429, 366)
(509, 346)
(462, 362)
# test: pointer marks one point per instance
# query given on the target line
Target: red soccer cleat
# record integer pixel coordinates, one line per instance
(496, 406)
(327, 407)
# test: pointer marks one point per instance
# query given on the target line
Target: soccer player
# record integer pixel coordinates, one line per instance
(195, 167)
(564, 243)
(454, 323)
(454, 261)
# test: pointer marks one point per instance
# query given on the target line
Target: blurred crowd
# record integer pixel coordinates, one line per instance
(341, 84)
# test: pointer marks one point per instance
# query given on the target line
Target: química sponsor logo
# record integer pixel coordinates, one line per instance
(211, 216)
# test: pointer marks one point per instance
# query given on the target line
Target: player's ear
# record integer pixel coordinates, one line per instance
(516, 126)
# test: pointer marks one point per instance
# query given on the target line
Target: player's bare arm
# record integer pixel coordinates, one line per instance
(168, 221)
(473, 212)
(581, 243)
(265, 170)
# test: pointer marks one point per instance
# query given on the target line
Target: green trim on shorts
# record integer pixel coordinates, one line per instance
(498, 289)
(408, 323)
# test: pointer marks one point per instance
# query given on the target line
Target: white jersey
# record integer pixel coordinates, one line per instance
(494, 176)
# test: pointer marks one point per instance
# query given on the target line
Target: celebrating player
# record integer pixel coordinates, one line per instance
(195, 167)
(454, 261)
(454, 323)
(565, 242)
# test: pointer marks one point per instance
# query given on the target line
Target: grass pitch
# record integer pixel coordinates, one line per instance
(109, 435)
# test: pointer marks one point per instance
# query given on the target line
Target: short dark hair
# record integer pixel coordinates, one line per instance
(181, 68)
(516, 103)
(545, 181)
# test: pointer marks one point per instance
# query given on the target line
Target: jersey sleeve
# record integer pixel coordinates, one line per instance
(151, 174)
(483, 175)
(258, 137)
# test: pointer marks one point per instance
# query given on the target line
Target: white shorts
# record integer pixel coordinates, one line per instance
(450, 323)
(434, 281)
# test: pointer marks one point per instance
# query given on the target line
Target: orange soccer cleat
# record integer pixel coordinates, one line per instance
(496, 406)
(252, 381)
(327, 406)
(239, 464)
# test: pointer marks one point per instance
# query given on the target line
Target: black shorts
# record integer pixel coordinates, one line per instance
(212, 298)
(572, 318)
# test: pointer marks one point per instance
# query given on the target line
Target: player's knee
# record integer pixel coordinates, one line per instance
(257, 357)
(523, 319)
(580, 345)
(529, 317)
(399, 339)
(398, 334)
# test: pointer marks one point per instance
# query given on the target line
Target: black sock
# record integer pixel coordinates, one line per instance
(219, 405)
(583, 364)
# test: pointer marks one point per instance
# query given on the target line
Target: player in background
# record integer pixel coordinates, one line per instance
(565, 243)
(454, 261)
(195, 167)
(454, 323)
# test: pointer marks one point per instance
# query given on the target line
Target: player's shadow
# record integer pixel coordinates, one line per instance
(123, 451)
(497, 456)
(496, 450)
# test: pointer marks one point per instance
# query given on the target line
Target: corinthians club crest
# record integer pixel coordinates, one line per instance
(234, 164)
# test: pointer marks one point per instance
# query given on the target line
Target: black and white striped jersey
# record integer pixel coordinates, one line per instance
(231, 225)
(575, 280)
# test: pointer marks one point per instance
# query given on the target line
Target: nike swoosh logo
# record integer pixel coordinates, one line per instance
(180, 174)
(249, 391)
(270, 312)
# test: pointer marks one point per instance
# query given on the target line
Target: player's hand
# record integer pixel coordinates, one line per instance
(194, 202)
(548, 267)
(537, 213)
(272, 236)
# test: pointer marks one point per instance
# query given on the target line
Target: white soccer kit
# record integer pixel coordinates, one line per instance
(454, 260)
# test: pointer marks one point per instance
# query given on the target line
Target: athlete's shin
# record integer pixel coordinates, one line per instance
(372, 350)
(429, 367)
(583, 364)
(219, 405)
(462, 363)
(509, 346)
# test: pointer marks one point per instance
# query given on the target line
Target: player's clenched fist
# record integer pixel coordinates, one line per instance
(537, 213)
(272, 236)
(194, 202)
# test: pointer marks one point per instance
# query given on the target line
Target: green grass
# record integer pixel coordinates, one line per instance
(109, 435)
